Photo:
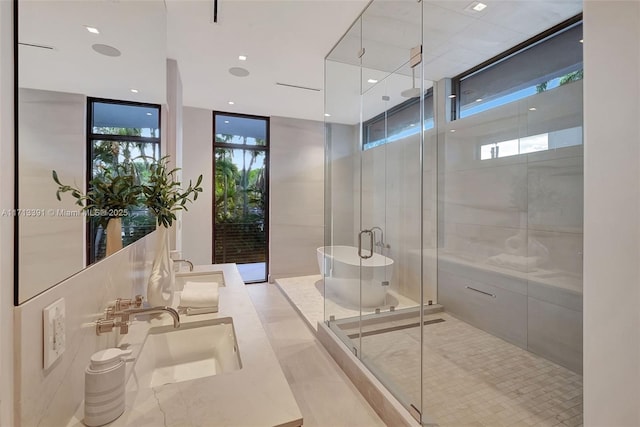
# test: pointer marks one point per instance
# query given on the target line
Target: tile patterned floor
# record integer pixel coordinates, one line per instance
(470, 377)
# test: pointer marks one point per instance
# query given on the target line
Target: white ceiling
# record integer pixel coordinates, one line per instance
(137, 28)
(285, 41)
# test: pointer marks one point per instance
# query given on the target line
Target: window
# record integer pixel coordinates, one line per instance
(552, 59)
(121, 133)
(532, 144)
(398, 122)
(241, 196)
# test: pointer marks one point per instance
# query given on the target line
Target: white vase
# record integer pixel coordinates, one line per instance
(114, 235)
(161, 281)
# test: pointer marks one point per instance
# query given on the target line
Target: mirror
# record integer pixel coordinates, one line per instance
(70, 52)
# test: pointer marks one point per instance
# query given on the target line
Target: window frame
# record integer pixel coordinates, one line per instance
(266, 148)
(91, 137)
(517, 49)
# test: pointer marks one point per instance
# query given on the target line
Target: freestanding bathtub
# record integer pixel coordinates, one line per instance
(341, 268)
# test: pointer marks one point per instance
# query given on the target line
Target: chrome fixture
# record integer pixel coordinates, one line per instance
(123, 304)
(118, 315)
(187, 261)
(380, 243)
(360, 254)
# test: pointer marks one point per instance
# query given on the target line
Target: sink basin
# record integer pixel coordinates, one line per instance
(198, 276)
(195, 350)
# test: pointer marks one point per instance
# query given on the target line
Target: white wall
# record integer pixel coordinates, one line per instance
(50, 397)
(52, 133)
(340, 219)
(172, 138)
(612, 214)
(296, 192)
(197, 152)
(6, 223)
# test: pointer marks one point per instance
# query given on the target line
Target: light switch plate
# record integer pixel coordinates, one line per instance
(54, 324)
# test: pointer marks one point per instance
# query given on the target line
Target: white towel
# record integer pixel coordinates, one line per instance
(199, 295)
(203, 310)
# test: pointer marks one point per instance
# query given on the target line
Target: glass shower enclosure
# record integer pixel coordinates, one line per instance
(452, 272)
(380, 217)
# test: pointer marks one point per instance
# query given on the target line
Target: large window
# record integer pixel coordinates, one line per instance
(552, 59)
(398, 122)
(240, 229)
(121, 136)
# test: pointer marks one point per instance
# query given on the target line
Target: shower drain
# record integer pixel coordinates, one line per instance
(394, 328)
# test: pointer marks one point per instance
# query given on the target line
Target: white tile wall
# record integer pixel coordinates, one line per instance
(296, 192)
(50, 397)
(197, 152)
(52, 136)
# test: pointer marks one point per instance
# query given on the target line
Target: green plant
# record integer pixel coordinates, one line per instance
(163, 194)
(111, 194)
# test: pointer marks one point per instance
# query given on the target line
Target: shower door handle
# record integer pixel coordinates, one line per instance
(360, 244)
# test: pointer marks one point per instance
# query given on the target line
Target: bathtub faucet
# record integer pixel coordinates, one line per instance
(380, 243)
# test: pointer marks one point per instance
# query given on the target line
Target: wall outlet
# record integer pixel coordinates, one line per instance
(54, 336)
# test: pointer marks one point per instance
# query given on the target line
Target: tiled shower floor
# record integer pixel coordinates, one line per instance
(470, 377)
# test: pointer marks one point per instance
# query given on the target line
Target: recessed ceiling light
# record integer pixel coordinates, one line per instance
(327, 115)
(581, 41)
(226, 121)
(231, 102)
(372, 81)
(452, 96)
(92, 30)
(478, 6)
(452, 130)
(149, 114)
(532, 109)
(479, 99)
(134, 90)
(242, 58)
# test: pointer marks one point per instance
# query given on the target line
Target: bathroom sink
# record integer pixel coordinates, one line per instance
(198, 276)
(194, 350)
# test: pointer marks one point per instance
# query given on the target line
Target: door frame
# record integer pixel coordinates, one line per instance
(264, 148)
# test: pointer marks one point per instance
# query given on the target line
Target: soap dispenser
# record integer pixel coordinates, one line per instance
(104, 387)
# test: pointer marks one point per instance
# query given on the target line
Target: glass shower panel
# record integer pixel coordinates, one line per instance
(554, 194)
(338, 260)
(391, 207)
(509, 263)
(390, 197)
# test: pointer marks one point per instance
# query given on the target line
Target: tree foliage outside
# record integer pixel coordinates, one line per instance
(240, 202)
(240, 194)
(567, 78)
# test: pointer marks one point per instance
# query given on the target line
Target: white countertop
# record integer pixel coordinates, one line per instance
(255, 395)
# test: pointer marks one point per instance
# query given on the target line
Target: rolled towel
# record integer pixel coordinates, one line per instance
(202, 310)
(199, 295)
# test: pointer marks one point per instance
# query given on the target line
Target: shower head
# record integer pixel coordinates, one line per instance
(414, 91)
(411, 93)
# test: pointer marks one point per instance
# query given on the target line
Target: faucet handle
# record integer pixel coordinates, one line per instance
(107, 325)
(122, 303)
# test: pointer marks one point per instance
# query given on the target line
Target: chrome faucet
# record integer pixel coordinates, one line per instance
(380, 243)
(187, 261)
(112, 313)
